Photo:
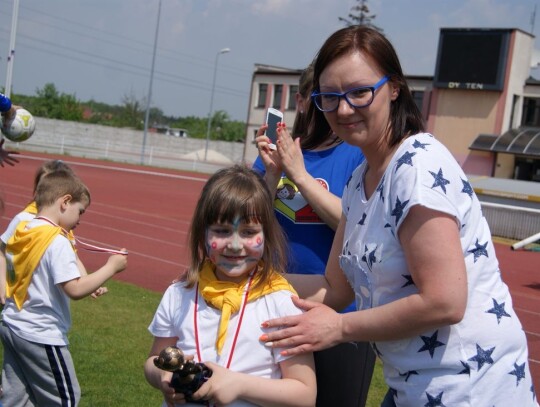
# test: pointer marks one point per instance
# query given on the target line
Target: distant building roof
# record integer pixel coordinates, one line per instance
(521, 141)
(276, 70)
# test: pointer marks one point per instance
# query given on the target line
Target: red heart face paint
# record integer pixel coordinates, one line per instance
(234, 248)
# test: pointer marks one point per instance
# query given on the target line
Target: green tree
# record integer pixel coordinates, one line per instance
(131, 114)
(54, 105)
(360, 15)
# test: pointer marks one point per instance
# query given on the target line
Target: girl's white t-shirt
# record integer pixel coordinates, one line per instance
(175, 318)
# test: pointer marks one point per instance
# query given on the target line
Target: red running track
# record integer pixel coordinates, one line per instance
(148, 211)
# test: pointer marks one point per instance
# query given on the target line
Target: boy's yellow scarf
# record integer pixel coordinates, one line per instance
(33, 209)
(26, 247)
(227, 296)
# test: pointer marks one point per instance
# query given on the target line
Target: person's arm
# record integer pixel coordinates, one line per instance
(8, 112)
(324, 203)
(430, 241)
(297, 387)
(6, 156)
(85, 285)
(101, 290)
(158, 378)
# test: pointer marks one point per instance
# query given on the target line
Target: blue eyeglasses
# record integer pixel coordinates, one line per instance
(357, 97)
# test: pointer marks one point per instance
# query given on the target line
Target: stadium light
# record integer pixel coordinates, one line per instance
(209, 126)
(149, 101)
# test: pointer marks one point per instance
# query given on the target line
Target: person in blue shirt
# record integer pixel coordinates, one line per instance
(307, 177)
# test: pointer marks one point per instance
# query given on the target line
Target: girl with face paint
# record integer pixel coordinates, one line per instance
(234, 283)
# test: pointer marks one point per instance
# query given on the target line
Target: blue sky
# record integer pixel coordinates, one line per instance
(102, 49)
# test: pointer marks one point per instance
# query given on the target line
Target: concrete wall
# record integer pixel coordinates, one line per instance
(130, 146)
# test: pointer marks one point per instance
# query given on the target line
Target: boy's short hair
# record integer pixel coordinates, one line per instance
(57, 184)
(47, 167)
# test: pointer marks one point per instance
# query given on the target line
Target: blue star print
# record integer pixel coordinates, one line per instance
(498, 309)
(345, 250)
(482, 356)
(439, 181)
(467, 368)
(380, 188)
(479, 250)
(363, 219)
(430, 343)
(348, 181)
(398, 209)
(417, 144)
(519, 372)
(406, 158)
(369, 256)
(434, 401)
(408, 374)
(409, 280)
(467, 188)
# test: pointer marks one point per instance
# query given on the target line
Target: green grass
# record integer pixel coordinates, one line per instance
(109, 342)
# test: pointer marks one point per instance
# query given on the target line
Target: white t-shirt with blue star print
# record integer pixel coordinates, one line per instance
(481, 361)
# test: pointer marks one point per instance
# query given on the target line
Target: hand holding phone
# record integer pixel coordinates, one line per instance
(273, 117)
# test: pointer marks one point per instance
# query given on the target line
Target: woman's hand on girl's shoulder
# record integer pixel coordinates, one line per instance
(320, 327)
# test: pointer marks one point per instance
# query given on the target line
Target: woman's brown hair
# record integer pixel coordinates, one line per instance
(405, 117)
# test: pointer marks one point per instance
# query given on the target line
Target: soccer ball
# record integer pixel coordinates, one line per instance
(21, 127)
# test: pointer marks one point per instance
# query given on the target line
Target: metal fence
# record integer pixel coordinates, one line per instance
(511, 222)
(130, 146)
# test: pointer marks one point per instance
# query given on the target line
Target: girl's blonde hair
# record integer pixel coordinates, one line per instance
(231, 194)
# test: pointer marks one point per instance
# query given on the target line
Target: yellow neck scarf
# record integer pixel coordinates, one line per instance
(227, 296)
(26, 246)
(31, 208)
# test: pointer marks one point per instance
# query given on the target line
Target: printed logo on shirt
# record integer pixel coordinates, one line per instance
(291, 204)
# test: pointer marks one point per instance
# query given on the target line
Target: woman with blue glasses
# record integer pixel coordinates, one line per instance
(412, 247)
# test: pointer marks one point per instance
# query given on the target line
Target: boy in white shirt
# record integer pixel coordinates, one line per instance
(42, 276)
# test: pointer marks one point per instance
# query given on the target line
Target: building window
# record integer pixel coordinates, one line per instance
(291, 104)
(278, 92)
(263, 92)
(531, 112)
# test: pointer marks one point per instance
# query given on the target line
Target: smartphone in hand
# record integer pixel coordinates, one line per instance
(273, 117)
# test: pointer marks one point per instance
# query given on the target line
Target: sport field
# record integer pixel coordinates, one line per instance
(148, 211)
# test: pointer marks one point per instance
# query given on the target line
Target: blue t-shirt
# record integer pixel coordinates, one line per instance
(309, 238)
(5, 103)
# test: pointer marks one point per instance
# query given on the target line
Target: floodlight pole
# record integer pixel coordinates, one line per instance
(149, 101)
(11, 55)
(209, 125)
